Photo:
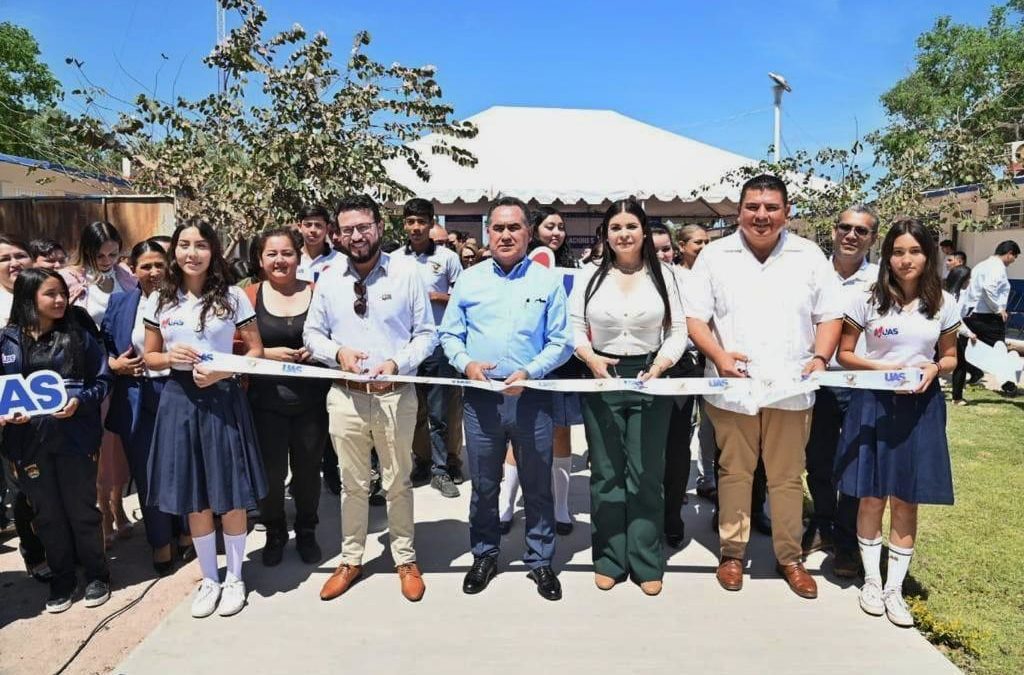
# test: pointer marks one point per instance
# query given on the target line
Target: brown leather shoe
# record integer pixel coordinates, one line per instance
(344, 576)
(799, 580)
(412, 581)
(730, 574)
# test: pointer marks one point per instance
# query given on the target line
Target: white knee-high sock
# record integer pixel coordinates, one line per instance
(561, 472)
(899, 563)
(508, 492)
(871, 557)
(234, 547)
(206, 551)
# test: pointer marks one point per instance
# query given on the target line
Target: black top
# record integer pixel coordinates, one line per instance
(273, 392)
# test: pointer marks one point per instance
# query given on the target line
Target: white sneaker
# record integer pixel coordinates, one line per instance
(232, 598)
(204, 602)
(871, 598)
(896, 609)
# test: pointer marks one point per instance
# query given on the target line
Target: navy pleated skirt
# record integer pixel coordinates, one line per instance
(204, 453)
(566, 410)
(895, 445)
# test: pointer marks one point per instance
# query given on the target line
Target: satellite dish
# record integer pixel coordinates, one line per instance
(780, 81)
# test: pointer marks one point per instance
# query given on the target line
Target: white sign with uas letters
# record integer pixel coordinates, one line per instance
(41, 393)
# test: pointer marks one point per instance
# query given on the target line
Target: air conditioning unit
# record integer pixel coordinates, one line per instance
(1016, 156)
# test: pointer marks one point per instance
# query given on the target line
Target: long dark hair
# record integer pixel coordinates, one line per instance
(67, 334)
(216, 294)
(887, 292)
(648, 255)
(563, 256)
(93, 237)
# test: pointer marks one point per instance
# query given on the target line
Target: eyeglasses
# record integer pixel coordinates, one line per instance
(859, 230)
(360, 305)
(361, 228)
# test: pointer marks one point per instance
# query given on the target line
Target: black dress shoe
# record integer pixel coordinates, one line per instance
(420, 474)
(762, 523)
(307, 546)
(479, 575)
(674, 539)
(548, 585)
(504, 527)
(273, 550)
(563, 529)
(163, 568)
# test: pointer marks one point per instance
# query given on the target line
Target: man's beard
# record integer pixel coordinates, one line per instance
(365, 257)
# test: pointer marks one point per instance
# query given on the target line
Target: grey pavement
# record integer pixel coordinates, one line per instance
(693, 625)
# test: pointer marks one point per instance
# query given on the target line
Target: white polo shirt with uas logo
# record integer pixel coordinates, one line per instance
(902, 337)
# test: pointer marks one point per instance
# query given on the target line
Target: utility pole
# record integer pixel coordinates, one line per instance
(778, 88)
(222, 34)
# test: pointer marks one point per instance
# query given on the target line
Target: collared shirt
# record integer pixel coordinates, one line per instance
(517, 321)
(852, 288)
(310, 269)
(628, 324)
(438, 268)
(903, 335)
(182, 322)
(989, 290)
(767, 311)
(397, 325)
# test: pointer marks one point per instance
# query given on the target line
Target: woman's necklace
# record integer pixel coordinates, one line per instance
(629, 269)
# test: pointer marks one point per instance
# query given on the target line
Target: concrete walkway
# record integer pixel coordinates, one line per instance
(692, 625)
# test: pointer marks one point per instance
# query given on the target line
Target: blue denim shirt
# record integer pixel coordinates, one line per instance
(517, 321)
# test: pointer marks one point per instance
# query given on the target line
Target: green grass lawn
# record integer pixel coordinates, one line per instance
(969, 562)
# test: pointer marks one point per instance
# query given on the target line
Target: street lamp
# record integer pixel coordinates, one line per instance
(780, 86)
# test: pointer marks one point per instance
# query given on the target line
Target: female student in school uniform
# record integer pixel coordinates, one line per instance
(55, 455)
(205, 458)
(893, 444)
(291, 413)
(627, 322)
(136, 393)
(93, 280)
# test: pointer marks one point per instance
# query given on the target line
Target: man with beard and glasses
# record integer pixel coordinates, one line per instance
(507, 320)
(371, 315)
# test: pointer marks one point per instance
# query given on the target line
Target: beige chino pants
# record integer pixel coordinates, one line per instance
(358, 423)
(779, 436)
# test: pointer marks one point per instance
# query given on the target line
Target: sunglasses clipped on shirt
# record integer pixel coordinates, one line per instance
(859, 230)
(360, 305)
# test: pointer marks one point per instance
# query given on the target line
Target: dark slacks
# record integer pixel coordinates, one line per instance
(492, 421)
(291, 436)
(626, 433)
(31, 547)
(963, 369)
(62, 489)
(830, 513)
(677, 462)
(438, 437)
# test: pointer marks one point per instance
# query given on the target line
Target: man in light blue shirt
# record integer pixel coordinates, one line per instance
(371, 314)
(507, 319)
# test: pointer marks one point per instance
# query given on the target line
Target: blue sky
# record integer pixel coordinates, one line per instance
(695, 68)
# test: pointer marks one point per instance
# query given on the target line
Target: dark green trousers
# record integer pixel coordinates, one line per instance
(626, 436)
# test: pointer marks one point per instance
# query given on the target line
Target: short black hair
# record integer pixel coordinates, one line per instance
(419, 207)
(358, 203)
(765, 182)
(43, 248)
(510, 201)
(313, 211)
(460, 236)
(946, 243)
(961, 256)
(1008, 246)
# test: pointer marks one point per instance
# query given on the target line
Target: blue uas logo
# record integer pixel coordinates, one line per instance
(41, 393)
(896, 376)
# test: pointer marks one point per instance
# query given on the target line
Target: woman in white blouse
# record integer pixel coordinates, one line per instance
(627, 322)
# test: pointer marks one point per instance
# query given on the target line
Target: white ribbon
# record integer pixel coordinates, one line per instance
(760, 392)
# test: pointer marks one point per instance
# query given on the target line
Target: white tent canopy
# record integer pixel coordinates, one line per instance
(571, 155)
